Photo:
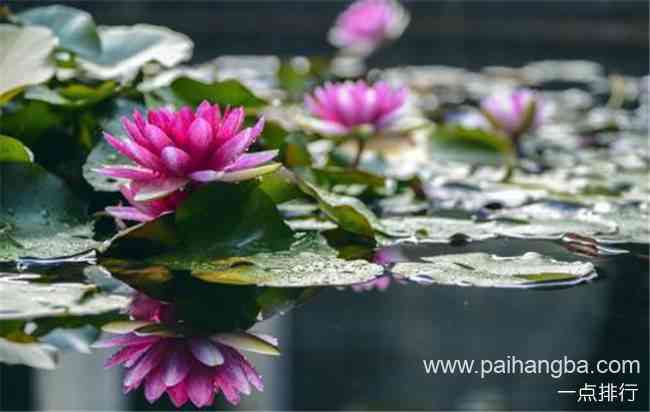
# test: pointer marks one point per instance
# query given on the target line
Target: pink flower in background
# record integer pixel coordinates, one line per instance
(193, 368)
(342, 107)
(171, 149)
(366, 24)
(509, 112)
(146, 210)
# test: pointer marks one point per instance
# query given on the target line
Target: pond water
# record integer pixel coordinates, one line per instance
(367, 349)
(489, 218)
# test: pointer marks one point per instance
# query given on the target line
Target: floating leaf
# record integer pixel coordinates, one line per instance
(36, 355)
(243, 241)
(11, 150)
(75, 28)
(610, 222)
(348, 212)
(331, 175)
(309, 262)
(39, 216)
(28, 300)
(72, 95)
(125, 49)
(480, 269)
(437, 229)
(471, 145)
(206, 227)
(225, 93)
(20, 68)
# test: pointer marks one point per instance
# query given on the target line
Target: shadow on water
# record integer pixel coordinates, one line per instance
(377, 341)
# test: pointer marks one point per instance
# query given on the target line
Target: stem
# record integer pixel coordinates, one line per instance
(361, 144)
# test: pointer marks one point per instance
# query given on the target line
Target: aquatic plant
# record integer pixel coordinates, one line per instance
(355, 110)
(174, 148)
(513, 113)
(429, 202)
(366, 24)
(183, 365)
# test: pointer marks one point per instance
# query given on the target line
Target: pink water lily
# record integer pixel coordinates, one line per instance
(146, 210)
(194, 368)
(515, 112)
(340, 108)
(366, 24)
(172, 149)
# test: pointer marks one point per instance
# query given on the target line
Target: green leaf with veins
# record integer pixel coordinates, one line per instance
(483, 270)
(39, 215)
(470, 145)
(348, 212)
(225, 93)
(242, 241)
(74, 28)
(75, 95)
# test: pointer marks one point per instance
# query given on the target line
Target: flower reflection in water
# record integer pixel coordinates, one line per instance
(385, 257)
(186, 367)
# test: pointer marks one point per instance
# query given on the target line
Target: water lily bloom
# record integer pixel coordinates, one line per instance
(514, 113)
(193, 368)
(146, 210)
(172, 149)
(366, 24)
(340, 108)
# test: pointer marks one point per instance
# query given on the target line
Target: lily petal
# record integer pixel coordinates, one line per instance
(250, 160)
(155, 189)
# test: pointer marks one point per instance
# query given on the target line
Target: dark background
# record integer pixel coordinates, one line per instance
(360, 351)
(465, 33)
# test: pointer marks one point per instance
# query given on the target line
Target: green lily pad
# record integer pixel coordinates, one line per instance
(206, 226)
(39, 216)
(436, 229)
(308, 262)
(243, 241)
(439, 229)
(74, 28)
(483, 270)
(348, 212)
(18, 68)
(331, 175)
(553, 219)
(472, 145)
(631, 220)
(125, 49)
(28, 300)
(34, 354)
(225, 93)
(72, 95)
(11, 150)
